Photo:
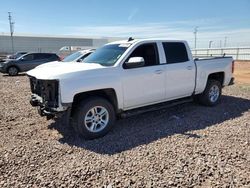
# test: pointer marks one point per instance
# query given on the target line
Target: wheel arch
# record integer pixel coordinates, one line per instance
(219, 76)
(18, 68)
(107, 93)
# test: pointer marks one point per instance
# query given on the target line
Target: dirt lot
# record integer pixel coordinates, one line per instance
(184, 146)
(242, 72)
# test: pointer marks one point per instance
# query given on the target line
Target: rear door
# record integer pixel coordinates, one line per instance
(53, 57)
(41, 58)
(180, 71)
(25, 63)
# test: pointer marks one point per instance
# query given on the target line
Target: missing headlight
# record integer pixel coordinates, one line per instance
(47, 90)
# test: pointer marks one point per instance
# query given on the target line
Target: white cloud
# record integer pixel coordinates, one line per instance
(209, 29)
(145, 30)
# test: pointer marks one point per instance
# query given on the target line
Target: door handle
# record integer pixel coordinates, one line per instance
(158, 71)
(189, 67)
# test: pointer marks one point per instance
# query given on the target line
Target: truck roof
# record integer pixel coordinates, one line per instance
(148, 39)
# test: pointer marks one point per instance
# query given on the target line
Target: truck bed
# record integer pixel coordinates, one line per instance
(206, 66)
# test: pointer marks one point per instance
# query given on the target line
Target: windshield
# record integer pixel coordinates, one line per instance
(106, 55)
(72, 57)
(19, 54)
(20, 57)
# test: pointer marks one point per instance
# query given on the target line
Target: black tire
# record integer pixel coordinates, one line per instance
(205, 98)
(84, 109)
(13, 71)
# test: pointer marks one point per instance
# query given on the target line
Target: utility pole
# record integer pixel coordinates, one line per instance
(195, 39)
(225, 42)
(210, 43)
(11, 31)
(195, 36)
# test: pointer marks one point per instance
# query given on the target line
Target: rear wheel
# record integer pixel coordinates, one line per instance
(211, 94)
(94, 118)
(13, 71)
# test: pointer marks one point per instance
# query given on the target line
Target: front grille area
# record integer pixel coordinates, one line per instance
(47, 90)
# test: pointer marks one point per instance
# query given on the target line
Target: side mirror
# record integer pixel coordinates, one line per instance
(135, 62)
(79, 60)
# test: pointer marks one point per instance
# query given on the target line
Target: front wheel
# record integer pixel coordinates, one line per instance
(212, 93)
(94, 117)
(13, 71)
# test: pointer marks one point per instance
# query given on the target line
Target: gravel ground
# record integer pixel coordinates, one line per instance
(184, 146)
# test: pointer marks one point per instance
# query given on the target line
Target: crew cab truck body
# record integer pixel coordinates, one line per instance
(125, 76)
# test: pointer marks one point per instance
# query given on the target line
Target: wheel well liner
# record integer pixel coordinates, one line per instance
(219, 76)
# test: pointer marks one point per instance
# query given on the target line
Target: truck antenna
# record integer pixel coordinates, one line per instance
(130, 39)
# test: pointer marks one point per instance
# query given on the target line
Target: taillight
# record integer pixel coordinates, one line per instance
(233, 67)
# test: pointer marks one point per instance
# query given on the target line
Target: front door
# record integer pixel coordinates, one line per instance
(144, 85)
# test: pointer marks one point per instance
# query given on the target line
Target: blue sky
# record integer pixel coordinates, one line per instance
(216, 19)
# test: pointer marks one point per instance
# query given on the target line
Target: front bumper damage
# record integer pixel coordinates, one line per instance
(45, 96)
(43, 110)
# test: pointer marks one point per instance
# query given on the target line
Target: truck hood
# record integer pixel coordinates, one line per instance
(56, 70)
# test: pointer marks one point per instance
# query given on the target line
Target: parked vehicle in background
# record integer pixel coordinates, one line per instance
(78, 56)
(2, 57)
(16, 55)
(67, 50)
(125, 78)
(26, 62)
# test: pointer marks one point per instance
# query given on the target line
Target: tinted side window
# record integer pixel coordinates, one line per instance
(43, 56)
(149, 52)
(54, 57)
(39, 56)
(28, 57)
(47, 56)
(175, 52)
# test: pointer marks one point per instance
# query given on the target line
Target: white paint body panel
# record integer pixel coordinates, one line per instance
(135, 87)
(180, 80)
(208, 66)
(142, 86)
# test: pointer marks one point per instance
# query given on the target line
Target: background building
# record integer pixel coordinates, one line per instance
(47, 43)
(32, 43)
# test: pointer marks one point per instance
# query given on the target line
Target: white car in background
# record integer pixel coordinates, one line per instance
(78, 56)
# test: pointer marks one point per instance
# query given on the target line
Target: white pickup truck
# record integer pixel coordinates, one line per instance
(124, 78)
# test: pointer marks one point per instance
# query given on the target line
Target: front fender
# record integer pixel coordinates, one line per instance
(70, 88)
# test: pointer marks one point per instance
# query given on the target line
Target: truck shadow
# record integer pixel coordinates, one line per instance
(149, 127)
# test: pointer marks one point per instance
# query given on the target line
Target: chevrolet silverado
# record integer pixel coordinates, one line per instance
(126, 77)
